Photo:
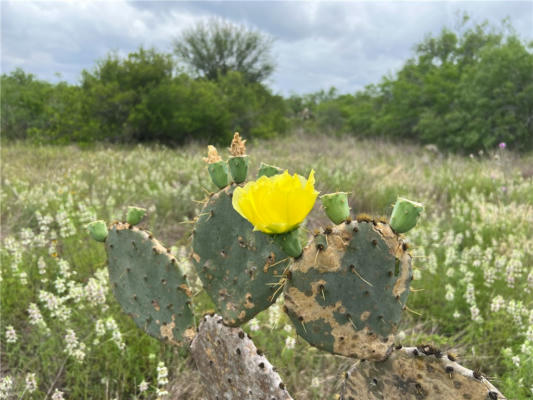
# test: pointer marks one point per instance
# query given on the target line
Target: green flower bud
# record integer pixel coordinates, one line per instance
(238, 166)
(98, 230)
(135, 215)
(405, 215)
(219, 173)
(268, 170)
(336, 206)
(290, 243)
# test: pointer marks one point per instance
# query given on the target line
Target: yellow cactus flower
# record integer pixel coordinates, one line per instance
(276, 204)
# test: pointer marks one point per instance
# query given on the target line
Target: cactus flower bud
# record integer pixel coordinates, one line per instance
(135, 215)
(404, 215)
(98, 230)
(336, 206)
(268, 170)
(290, 243)
(218, 169)
(238, 167)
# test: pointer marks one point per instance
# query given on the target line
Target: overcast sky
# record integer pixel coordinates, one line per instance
(317, 44)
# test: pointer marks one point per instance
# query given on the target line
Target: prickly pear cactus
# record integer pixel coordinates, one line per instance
(149, 284)
(231, 366)
(346, 293)
(416, 373)
(239, 267)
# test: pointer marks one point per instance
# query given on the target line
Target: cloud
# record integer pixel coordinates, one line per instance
(317, 44)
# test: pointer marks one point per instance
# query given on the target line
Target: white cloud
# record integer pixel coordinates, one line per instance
(318, 44)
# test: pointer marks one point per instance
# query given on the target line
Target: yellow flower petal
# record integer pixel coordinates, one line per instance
(276, 204)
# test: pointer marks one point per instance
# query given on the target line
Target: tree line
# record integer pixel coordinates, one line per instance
(464, 90)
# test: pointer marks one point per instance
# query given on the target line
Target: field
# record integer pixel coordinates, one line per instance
(64, 336)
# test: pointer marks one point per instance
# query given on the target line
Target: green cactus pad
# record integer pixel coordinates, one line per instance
(239, 267)
(149, 285)
(347, 296)
(219, 173)
(416, 373)
(238, 167)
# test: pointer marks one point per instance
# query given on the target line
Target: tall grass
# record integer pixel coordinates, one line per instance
(63, 334)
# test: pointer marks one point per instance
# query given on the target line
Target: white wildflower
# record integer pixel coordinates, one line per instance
(162, 374)
(41, 265)
(64, 268)
(6, 384)
(474, 311)
(35, 317)
(11, 335)
(73, 347)
(100, 328)
(95, 292)
(450, 292)
(59, 284)
(23, 276)
(516, 360)
(143, 386)
(57, 395)
(290, 342)
(31, 383)
(254, 324)
(497, 303)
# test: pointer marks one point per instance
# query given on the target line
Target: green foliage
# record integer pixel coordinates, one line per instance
(117, 90)
(38, 110)
(463, 90)
(213, 48)
(138, 99)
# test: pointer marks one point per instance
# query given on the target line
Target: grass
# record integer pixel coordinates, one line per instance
(473, 261)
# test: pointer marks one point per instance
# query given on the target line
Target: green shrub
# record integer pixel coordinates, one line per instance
(139, 99)
(464, 90)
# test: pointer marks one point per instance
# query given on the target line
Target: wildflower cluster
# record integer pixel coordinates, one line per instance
(473, 253)
(57, 276)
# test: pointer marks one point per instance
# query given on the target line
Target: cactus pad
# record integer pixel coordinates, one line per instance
(416, 373)
(239, 267)
(346, 293)
(231, 366)
(148, 284)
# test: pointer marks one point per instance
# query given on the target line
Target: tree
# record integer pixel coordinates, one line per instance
(215, 47)
(117, 89)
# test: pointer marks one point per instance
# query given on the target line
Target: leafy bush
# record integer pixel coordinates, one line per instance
(463, 91)
(139, 99)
